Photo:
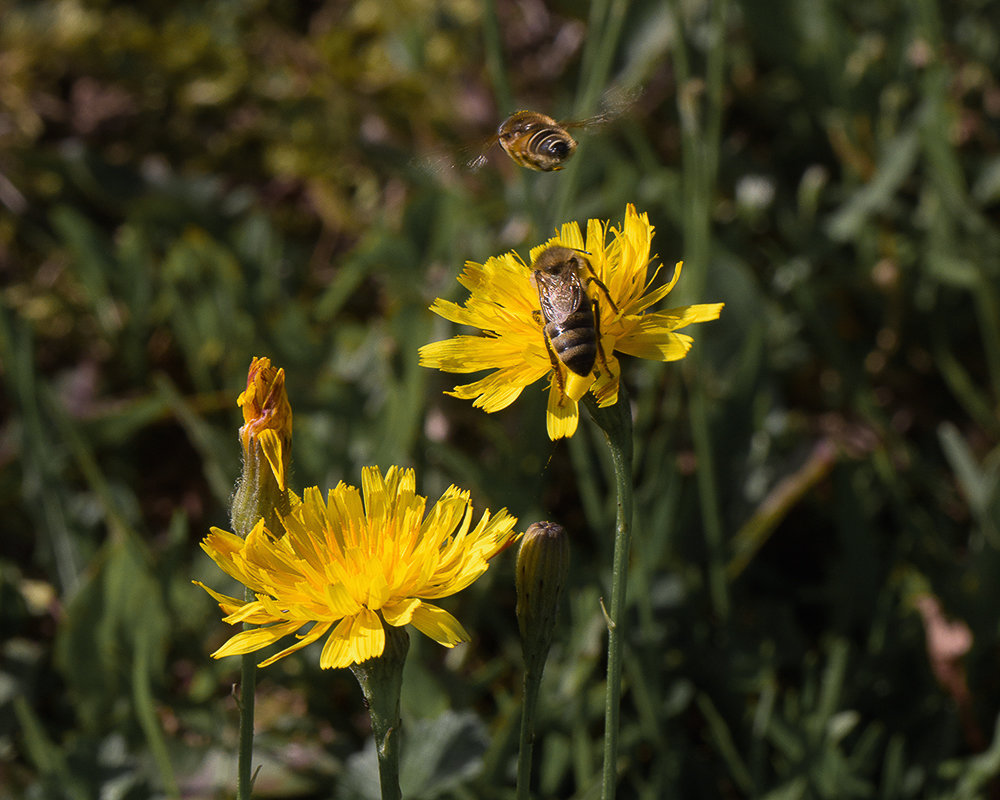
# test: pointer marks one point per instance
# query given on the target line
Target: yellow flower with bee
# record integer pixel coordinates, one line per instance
(523, 308)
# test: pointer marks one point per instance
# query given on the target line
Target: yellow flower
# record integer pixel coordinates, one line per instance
(267, 416)
(503, 303)
(353, 562)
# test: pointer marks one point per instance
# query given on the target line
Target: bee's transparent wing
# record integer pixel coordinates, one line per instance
(471, 157)
(615, 102)
(559, 296)
(477, 163)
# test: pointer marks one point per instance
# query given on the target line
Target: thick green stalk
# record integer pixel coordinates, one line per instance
(248, 690)
(381, 681)
(616, 422)
(532, 682)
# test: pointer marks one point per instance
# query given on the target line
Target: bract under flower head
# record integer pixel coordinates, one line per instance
(505, 306)
(351, 563)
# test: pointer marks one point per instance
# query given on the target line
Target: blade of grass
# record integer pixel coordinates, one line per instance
(145, 709)
(608, 17)
(495, 66)
(44, 754)
(724, 743)
(700, 156)
(42, 482)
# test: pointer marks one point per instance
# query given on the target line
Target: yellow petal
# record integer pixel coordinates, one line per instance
(439, 625)
(605, 388)
(270, 444)
(336, 649)
(400, 613)
(570, 236)
(656, 345)
(222, 546)
(676, 318)
(369, 635)
(253, 612)
(226, 603)
(495, 391)
(256, 638)
(355, 639)
(656, 295)
(501, 278)
(374, 489)
(468, 573)
(596, 236)
(340, 602)
(577, 385)
(471, 353)
(562, 414)
(226, 550)
(314, 633)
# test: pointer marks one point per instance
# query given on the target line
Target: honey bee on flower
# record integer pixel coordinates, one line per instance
(507, 301)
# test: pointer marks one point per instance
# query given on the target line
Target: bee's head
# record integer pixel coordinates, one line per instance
(558, 259)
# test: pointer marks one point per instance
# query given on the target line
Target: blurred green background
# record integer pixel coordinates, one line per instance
(816, 576)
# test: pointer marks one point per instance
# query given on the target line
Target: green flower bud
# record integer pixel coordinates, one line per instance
(542, 569)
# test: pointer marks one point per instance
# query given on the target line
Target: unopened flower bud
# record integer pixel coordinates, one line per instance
(266, 438)
(542, 569)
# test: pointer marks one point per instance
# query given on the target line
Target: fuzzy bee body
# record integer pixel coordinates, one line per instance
(574, 341)
(540, 142)
(536, 141)
(570, 316)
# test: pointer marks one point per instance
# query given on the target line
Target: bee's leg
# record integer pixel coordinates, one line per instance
(540, 319)
(560, 381)
(592, 278)
(596, 307)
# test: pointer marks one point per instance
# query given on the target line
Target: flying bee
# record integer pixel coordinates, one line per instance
(537, 141)
(572, 319)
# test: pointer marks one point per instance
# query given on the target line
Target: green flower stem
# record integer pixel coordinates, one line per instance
(250, 502)
(248, 687)
(248, 690)
(616, 422)
(532, 683)
(381, 681)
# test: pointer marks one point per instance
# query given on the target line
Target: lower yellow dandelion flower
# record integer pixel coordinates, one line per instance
(517, 341)
(353, 563)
